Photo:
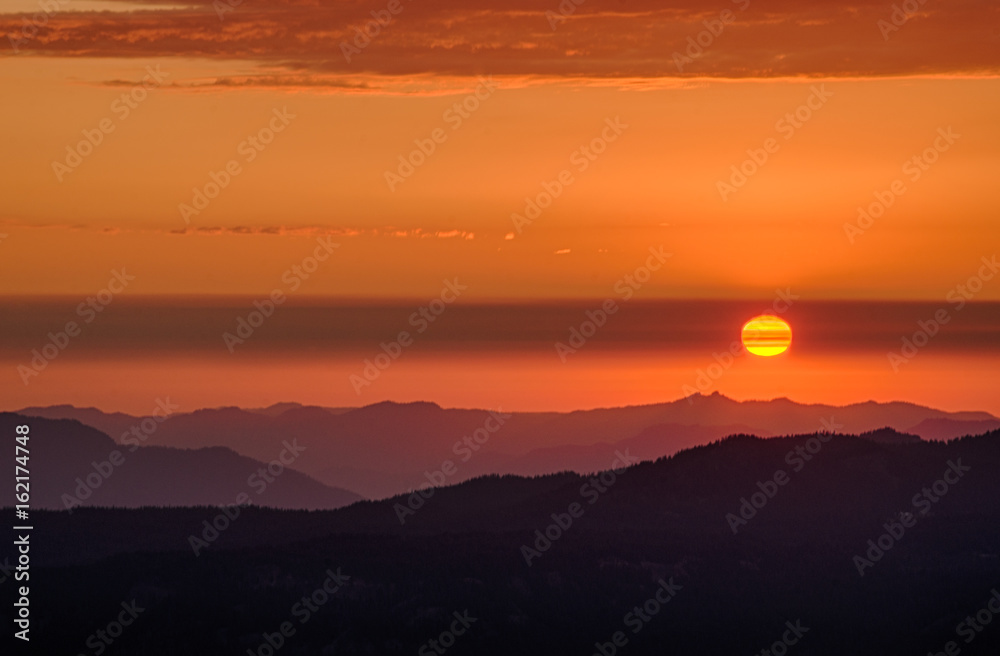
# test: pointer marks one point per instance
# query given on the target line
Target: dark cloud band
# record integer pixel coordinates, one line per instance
(317, 43)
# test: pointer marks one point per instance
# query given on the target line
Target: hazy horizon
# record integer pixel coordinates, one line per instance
(489, 355)
(665, 401)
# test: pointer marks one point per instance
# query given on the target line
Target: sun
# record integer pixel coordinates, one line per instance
(766, 335)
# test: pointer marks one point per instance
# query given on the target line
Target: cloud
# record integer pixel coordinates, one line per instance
(386, 232)
(300, 42)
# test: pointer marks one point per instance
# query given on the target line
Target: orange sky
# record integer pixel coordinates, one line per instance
(658, 183)
(614, 113)
(512, 383)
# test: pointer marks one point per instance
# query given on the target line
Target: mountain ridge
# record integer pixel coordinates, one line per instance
(383, 448)
(75, 465)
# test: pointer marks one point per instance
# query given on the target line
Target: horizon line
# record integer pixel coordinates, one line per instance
(714, 394)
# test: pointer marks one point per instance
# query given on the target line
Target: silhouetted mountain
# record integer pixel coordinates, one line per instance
(887, 435)
(111, 423)
(73, 464)
(386, 448)
(275, 409)
(281, 408)
(542, 576)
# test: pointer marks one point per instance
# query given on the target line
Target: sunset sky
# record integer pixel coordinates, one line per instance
(637, 113)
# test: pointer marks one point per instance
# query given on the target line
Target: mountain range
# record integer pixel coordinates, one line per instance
(388, 448)
(74, 465)
(874, 544)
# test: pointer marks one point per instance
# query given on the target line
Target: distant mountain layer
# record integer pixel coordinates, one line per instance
(73, 465)
(945, 428)
(387, 448)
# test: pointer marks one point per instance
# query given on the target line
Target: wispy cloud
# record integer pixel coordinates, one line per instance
(386, 232)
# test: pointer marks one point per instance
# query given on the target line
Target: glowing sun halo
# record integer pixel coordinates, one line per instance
(766, 335)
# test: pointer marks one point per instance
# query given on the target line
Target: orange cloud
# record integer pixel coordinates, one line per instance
(313, 43)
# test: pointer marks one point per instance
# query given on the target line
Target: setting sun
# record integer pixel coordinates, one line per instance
(766, 335)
